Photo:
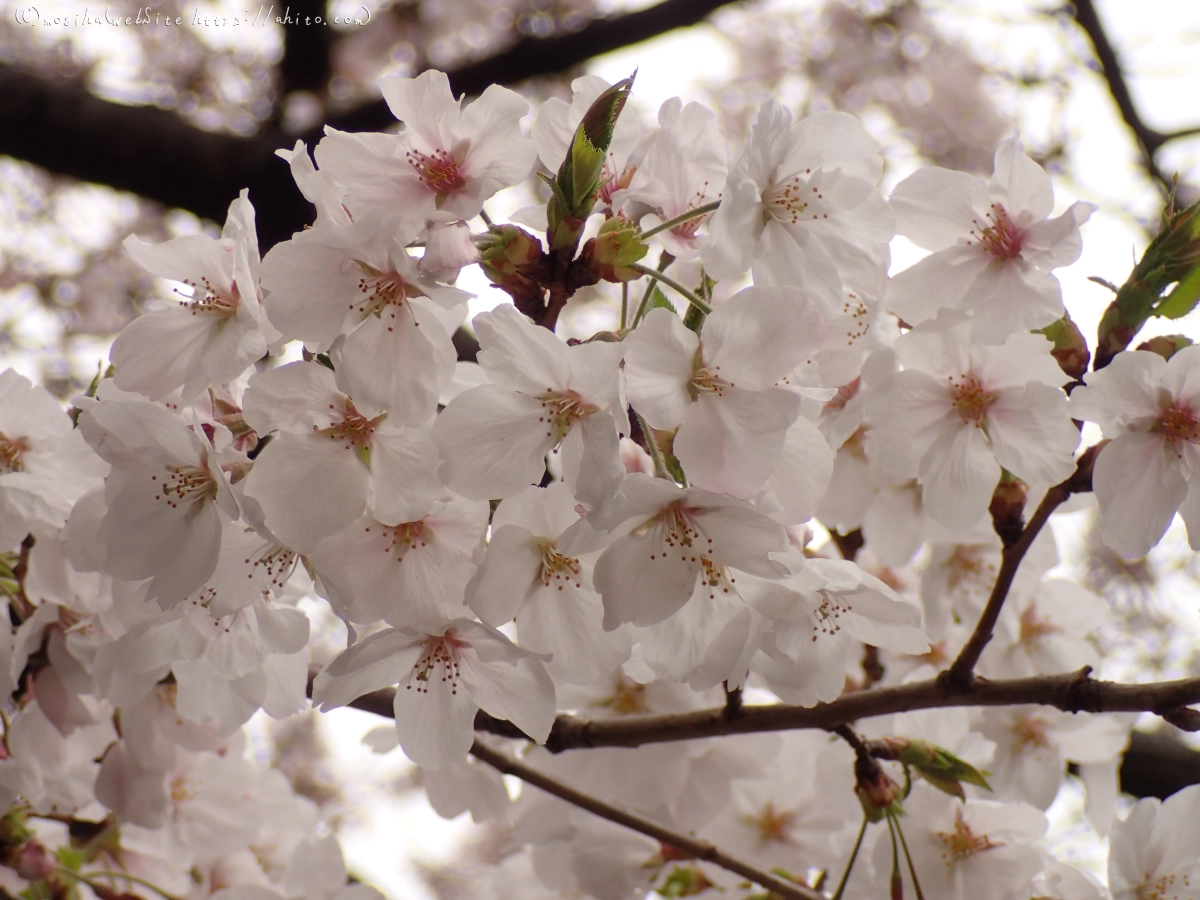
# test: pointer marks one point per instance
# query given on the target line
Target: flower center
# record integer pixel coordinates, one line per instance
(628, 697)
(687, 230)
(1178, 424)
(188, 485)
(1031, 732)
(970, 400)
(438, 171)
(706, 379)
(962, 842)
(792, 200)
(278, 562)
(562, 409)
(825, 617)
(439, 657)
(354, 428)
(1161, 888)
(1034, 629)
(384, 293)
(211, 300)
(1000, 238)
(715, 577)
(404, 537)
(773, 824)
(557, 569)
(610, 182)
(11, 451)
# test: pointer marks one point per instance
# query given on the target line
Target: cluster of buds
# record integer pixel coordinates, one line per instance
(935, 764)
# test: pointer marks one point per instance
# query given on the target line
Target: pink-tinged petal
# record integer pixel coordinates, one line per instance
(760, 335)
(1056, 242)
(493, 442)
(734, 229)
(543, 512)
(1032, 435)
(374, 172)
(1021, 185)
(1183, 377)
(192, 258)
(937, 208)
(1190, 510)
(1124, 392)
(519, 355)
(435, 720)
(659, 361)
(833, 140)
(164, 349)
(379, 660)
(909, 417)
(425, 104)
(569, 624)
(595, 369)
(958, 475)
(507, 575)
(591, 459)
(296, 397)
(1012, 295)
(730, 443)
(643, 580)
(391, 362)
(404, 478)
(523, 694)
(309, 486)
(552, 130)
(941, 280)
(310, 287)
(498, 153)
(742, 537)
(1139, 485)
(144, 536)
(802, 474)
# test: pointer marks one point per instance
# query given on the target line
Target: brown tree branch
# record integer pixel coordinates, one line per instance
(1070, 692)
(962, 670)
(62, 127)
(696, 849)
(1149, 139)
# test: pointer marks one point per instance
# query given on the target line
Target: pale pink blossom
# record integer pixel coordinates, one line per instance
(994, 245)
(443, 678)
(1150, 409)
(1155, 851)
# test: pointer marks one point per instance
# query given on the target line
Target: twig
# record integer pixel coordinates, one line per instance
(962, 669)
(672, 283)
(702, 850)
(683, 217)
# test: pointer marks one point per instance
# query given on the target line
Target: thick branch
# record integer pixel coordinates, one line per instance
(1149, 139)
(152, 152)
(694, 848)
(1070, 692)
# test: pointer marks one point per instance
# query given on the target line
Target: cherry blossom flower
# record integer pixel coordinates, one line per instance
(524, 577)
(994, 245)
(443, 678)
(960, 411)
(448, 158)
(719, 388)
(684, 169)
(1150, 409)
(208, 337)
(346, 459)
(358, 280)
(980, 849)
(668, 537)
(544, 396)
(408, 573)
(800, 205)
(165, 496)
(1155, 851)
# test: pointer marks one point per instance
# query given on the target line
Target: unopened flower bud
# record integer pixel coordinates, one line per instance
(618, 246)
(684, 882)
(878, 794)
(507, 250)
(33, 861)
(1008, 508)
(1166, 345)
(1070, 347)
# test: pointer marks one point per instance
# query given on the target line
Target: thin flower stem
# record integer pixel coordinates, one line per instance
(663, 261)
(133, 879)
(656, 455)
(897, 885)
(672, 283)
(911, 868)
(624, 305)
(683, 217)
(702, 850)
(487, 220)
(841, 888)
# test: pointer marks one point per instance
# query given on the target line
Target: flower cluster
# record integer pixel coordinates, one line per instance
(614, 526)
